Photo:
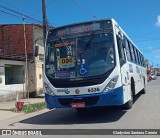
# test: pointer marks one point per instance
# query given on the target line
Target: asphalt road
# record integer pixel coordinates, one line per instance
(145, 114)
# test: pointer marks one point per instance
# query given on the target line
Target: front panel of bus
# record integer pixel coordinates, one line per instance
(82, 66)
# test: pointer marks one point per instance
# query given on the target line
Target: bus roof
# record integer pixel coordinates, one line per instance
(78, 23)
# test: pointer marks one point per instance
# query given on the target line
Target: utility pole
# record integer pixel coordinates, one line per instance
(26, 57)
(152, 65)
(44, 20)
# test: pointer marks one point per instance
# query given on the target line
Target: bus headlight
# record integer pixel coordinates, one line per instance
(48, 89)
(110, 86)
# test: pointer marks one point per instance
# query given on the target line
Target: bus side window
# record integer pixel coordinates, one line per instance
(141, 60)
(132, 52)
(127, 50)
(138, 60)
(121, 52)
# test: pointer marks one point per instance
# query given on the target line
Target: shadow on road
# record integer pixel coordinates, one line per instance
(136, 97)
(71, 116)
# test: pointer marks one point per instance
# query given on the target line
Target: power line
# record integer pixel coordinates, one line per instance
(84, 9)
(44, 20)
(17, 13)
(10, 14)
(24, 16)
(47, 5)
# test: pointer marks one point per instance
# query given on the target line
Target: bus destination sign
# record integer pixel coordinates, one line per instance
(78, 29)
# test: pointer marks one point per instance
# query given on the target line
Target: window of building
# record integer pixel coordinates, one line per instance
(14, 74)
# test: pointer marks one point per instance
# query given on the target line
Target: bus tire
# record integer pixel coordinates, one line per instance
(144, 89)
(128, 105)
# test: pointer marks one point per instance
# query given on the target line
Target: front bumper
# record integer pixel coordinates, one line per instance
(111, 98)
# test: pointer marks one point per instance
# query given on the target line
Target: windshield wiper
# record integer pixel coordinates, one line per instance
(68, 49)
(87, 46)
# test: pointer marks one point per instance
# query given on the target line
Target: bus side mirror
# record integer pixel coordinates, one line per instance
(36, 51)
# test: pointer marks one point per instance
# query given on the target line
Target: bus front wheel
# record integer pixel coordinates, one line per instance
(128, 105)
(144, 89)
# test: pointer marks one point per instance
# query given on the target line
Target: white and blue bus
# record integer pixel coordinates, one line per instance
(92, 64)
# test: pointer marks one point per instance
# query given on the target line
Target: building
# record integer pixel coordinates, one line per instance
(21, 72)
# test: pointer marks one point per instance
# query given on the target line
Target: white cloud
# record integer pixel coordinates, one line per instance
(157, 57)
(156, 50)
(153, 50)
(158, 21)
(150, 48)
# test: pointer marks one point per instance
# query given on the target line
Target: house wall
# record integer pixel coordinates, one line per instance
(12, 43)
(12, 39)
(8, 92)
(31, 78)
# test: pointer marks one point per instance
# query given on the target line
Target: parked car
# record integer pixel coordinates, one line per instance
(149, 78)
(158, 73)
(153, 76)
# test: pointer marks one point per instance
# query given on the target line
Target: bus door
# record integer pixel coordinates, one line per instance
(124, 67)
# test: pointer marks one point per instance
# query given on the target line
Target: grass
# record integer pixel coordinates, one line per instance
(27, 108)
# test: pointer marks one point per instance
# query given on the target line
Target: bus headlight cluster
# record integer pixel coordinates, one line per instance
(48, 89)
(111, 84)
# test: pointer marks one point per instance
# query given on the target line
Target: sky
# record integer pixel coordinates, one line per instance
(140, 19)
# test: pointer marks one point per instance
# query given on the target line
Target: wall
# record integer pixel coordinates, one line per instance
(8, 92)
(31, 79)
(12, 39)
(12, 43)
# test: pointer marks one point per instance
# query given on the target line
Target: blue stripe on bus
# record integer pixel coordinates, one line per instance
(111, 98)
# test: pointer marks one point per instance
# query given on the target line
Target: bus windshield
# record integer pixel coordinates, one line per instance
(80, 57)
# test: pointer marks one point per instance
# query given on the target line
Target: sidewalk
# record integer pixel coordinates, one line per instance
(5, 106)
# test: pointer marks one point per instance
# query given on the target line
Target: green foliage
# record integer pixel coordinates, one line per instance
(27, 108)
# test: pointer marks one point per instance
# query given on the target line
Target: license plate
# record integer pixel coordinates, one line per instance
(78, 105)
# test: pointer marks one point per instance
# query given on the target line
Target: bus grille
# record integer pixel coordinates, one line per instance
(88, 101)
